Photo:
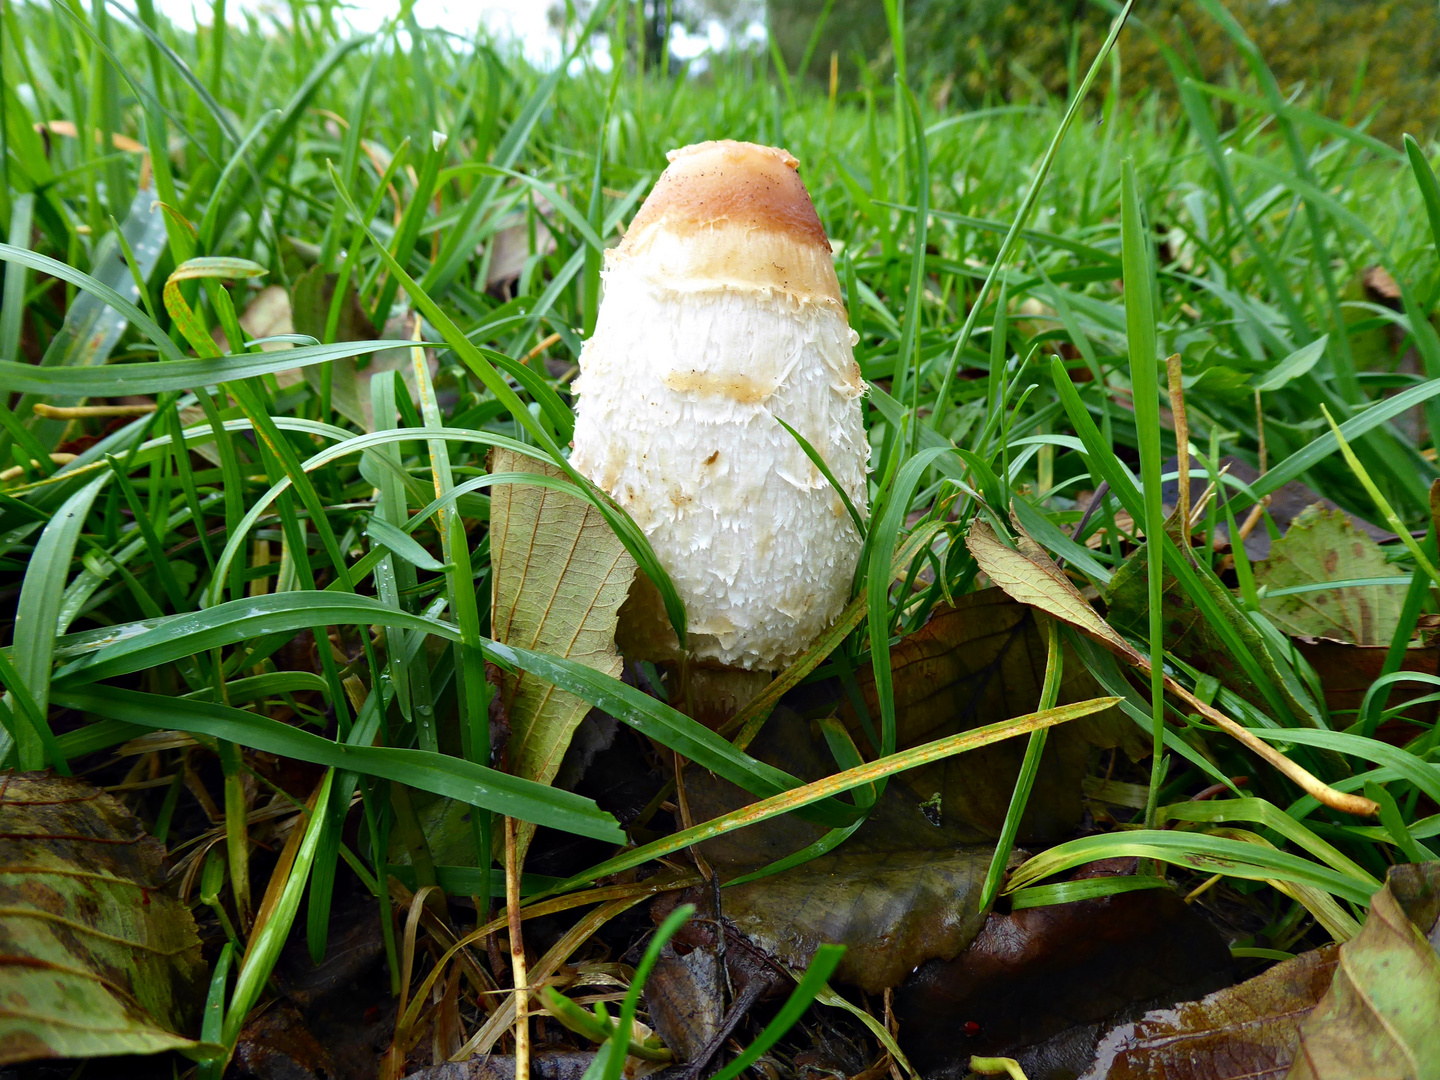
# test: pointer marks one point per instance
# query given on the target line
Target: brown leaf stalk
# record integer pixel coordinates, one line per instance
(1182, 440)
(517, 954)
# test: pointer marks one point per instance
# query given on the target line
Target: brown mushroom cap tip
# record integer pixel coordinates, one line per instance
(735, 214)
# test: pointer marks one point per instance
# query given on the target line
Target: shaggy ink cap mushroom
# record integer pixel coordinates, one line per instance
(721, 315)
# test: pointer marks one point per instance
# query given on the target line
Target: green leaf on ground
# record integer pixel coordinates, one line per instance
(95, 957)
(1323, 545)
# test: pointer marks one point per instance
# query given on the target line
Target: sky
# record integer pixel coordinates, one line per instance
(524, 20)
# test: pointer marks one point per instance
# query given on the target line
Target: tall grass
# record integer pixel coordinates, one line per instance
(156, 561)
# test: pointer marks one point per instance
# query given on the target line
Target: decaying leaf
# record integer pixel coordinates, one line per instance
(569, 1065)
(1348, 671)
(1343, 632)
(900, 891)
(890, 909)
(975, 662)
(1284, 505)
(1369, 1008)
(278, 1043)
(905, 887)
(310, 299)
(511, 248)
(311, 296)
(95, 958)
(560, 576)
(1381, 1018)
(1323, 545)
(1245, 1031)
(685, 998)
(1029, 576)
(267, 315)
(1042, 984)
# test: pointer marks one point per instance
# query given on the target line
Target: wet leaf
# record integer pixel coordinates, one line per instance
(277, 1043)
(560, 577)
(1348, 671)
(977, 661)
(1324, 545)
(1381, 1017)
(95, 958)
(1029, 576)
(890, 909)
(1368, 1008)
(1246, 1031)
(1042, 984)
(900, 891)
(685, 998)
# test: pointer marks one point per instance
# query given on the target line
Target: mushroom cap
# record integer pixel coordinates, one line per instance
(722, 314)
(732, 214)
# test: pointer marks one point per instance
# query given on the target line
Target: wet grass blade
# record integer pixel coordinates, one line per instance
(36, 614)
(1140, 331)
(1029, 767)
(441, 774)
(868, 774)
(1196, 851)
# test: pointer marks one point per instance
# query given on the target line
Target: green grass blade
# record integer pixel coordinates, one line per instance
(1029, 767)
(1022, 216)
(822, 965)
(882, 541)
(1196, 851)
(1144, 380)
(177, 374)
(1429, 188)
(36, 614)
(263, 952)
(441, 774)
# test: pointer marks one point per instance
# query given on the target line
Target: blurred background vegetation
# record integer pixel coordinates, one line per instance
(1354, 60)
